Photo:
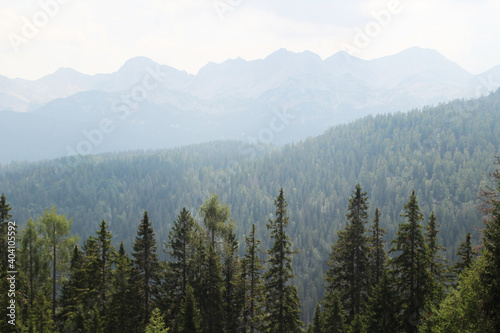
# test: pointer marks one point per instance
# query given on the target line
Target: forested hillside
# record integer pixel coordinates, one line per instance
(442, 152)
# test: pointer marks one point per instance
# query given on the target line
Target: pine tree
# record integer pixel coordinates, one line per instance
(282, 302)
(146, 267)
(58, 243)
(333, 315)
(348, 272)
(254, 293)
(190, 318)
(378, 256)
(491, 277)
(466, 253)
(411, 266)
(437, 266)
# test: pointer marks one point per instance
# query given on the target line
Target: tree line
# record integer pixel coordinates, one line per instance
(406, 285)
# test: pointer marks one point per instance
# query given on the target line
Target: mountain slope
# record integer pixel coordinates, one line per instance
(442, 152)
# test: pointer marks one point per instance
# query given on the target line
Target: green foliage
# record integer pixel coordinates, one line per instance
(348, 273)
(282, 301)
(463, 308)
(180, 266)
(377, 254)
(438, 269)
(190, 317)
(466, 254)
(253, 312)
(123, 311)
(334, 320)
(57, 242)
(490, 278)
(146, 267)
(442, 152)
(383, 306)
(410, 266)
(156, 323)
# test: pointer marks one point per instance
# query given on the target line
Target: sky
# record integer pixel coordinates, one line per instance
(37, 37)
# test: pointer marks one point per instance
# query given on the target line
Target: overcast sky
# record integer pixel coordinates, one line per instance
(94, 36)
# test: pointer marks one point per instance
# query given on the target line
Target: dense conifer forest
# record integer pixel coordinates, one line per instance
(387, 224)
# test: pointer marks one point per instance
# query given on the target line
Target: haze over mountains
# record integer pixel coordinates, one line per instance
(283, 98)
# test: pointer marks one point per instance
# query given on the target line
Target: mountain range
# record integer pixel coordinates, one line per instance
(283, 98)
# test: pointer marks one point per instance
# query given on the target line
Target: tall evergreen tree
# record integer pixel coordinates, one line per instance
(123, 313)
(282, 302)
(317, 322)
(466, 254)
(333, 315)
(146, 267)
(179, 267)
(378, 255)
(254, 292)
(212, 304)
(383, 306)
(437, 266)
(491, 277)
(232, 296)
(72, 315)
(58, 243)
(106, 261)
(348, 272)
(190, 321)
(411, 265)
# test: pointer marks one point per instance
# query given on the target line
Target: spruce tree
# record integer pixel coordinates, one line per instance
(179, 267)
(349, 270)
(383, 306)
(333, 315)
(317, 321)
(72, 315)
(282, 302)
(146, 267)
(437, 266)
(411, 266)
(254, 292)
(190, 317)
(122, 309)
(106, 261)
(466, 254)
(378, 256)
(212, 301)
(232, 283)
